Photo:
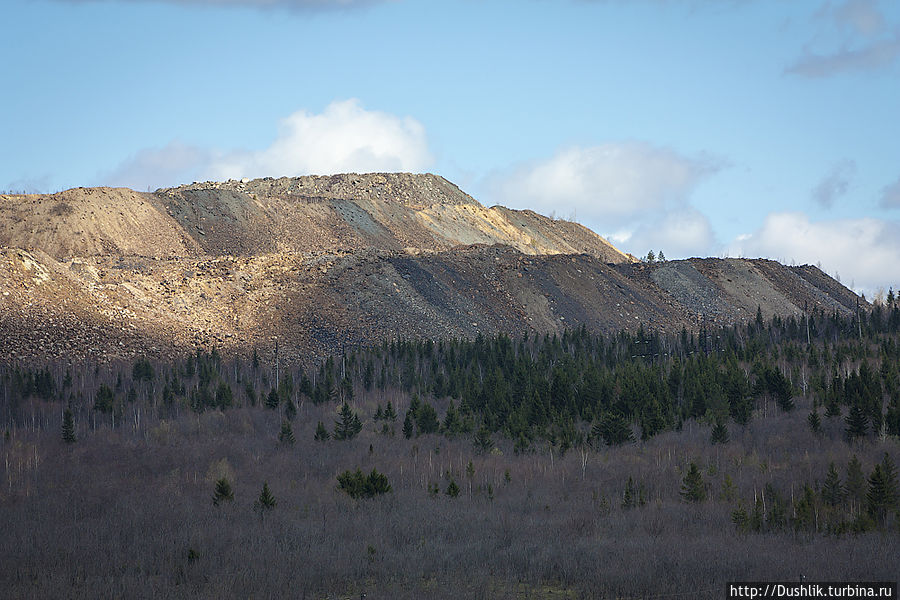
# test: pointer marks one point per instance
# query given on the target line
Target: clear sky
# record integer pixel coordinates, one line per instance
(700, 128)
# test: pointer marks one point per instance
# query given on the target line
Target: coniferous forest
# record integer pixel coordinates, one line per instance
(521, 466)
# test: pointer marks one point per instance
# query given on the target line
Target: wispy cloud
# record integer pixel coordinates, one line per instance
(835, 184)
(890, 196)
(632, 191)
(345, 137)
(860, 39)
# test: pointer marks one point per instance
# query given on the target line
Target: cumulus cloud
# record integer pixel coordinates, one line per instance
(302, 5)
(863, 251)
(609, 184)
(633, 192)
(835, 184)
(345, 137)
(678, 233)
(890, 195)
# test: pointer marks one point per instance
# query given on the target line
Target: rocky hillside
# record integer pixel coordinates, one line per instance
(327, 262)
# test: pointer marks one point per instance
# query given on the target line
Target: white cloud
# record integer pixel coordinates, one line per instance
(834, 184)
(611, 184)
(345, 137)
(633, 192)
(679, 234)
(861, 16)
(863, 251)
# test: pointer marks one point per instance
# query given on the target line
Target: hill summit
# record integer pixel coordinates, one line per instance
(327, 262)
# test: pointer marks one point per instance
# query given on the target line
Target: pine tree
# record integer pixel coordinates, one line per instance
(223, 492)
(286, 435)
(719, 433)
(272, 400)
(389, 412)
(832, 488)
(661, 257)
(265, 502)
(453, 489)
(290, 410)
(882, 495)
(857, 422)
(613, 428)
(322, 434)
(68, 427)
(692, 486)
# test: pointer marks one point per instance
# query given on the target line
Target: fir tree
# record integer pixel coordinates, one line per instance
(265, 502)
(272, 400)
(453, 489)
(407, 426)
(348, 425)
(692, 486)
(815, 423)
(613, 428)
(286, 435)
(857, 422)
(68, 427)
(482, 440)
(426, 419)
(719, 433)
(832, 488)
(322, 434)
(881, 498)
(389, 412)
(223, 492)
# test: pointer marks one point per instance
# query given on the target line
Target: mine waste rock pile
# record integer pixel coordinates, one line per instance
(329, 263)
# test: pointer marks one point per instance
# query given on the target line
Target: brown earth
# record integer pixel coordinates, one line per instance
(330, 262)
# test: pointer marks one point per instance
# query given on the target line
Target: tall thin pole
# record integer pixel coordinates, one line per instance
(276, 362)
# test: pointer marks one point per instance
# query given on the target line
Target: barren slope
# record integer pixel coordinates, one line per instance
(326, 262)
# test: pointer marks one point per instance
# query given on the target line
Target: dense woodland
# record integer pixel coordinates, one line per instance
(573, 465)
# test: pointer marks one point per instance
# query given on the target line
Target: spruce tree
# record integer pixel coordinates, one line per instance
(482, 440)
(692, 486)
(389, 412)
(265, 502)
(407, 426)
(348, 425)
(223, 492)
(815, 423)
(719, 433)
(286, 435)
(881, 498)
(453, 489)
(322, 434)
(857, 422)
(68, 427)
(832, 488)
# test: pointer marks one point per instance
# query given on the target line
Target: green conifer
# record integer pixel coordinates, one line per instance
(223, 492)
(832, 488)
(322, 434)
(68, 427)
(719, 433)
(286, 435)
(692, 486)
(453, 489)
(265, 502)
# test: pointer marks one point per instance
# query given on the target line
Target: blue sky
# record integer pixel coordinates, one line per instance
(702, 128)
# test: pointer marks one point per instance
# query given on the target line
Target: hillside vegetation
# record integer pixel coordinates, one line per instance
(573, 465)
